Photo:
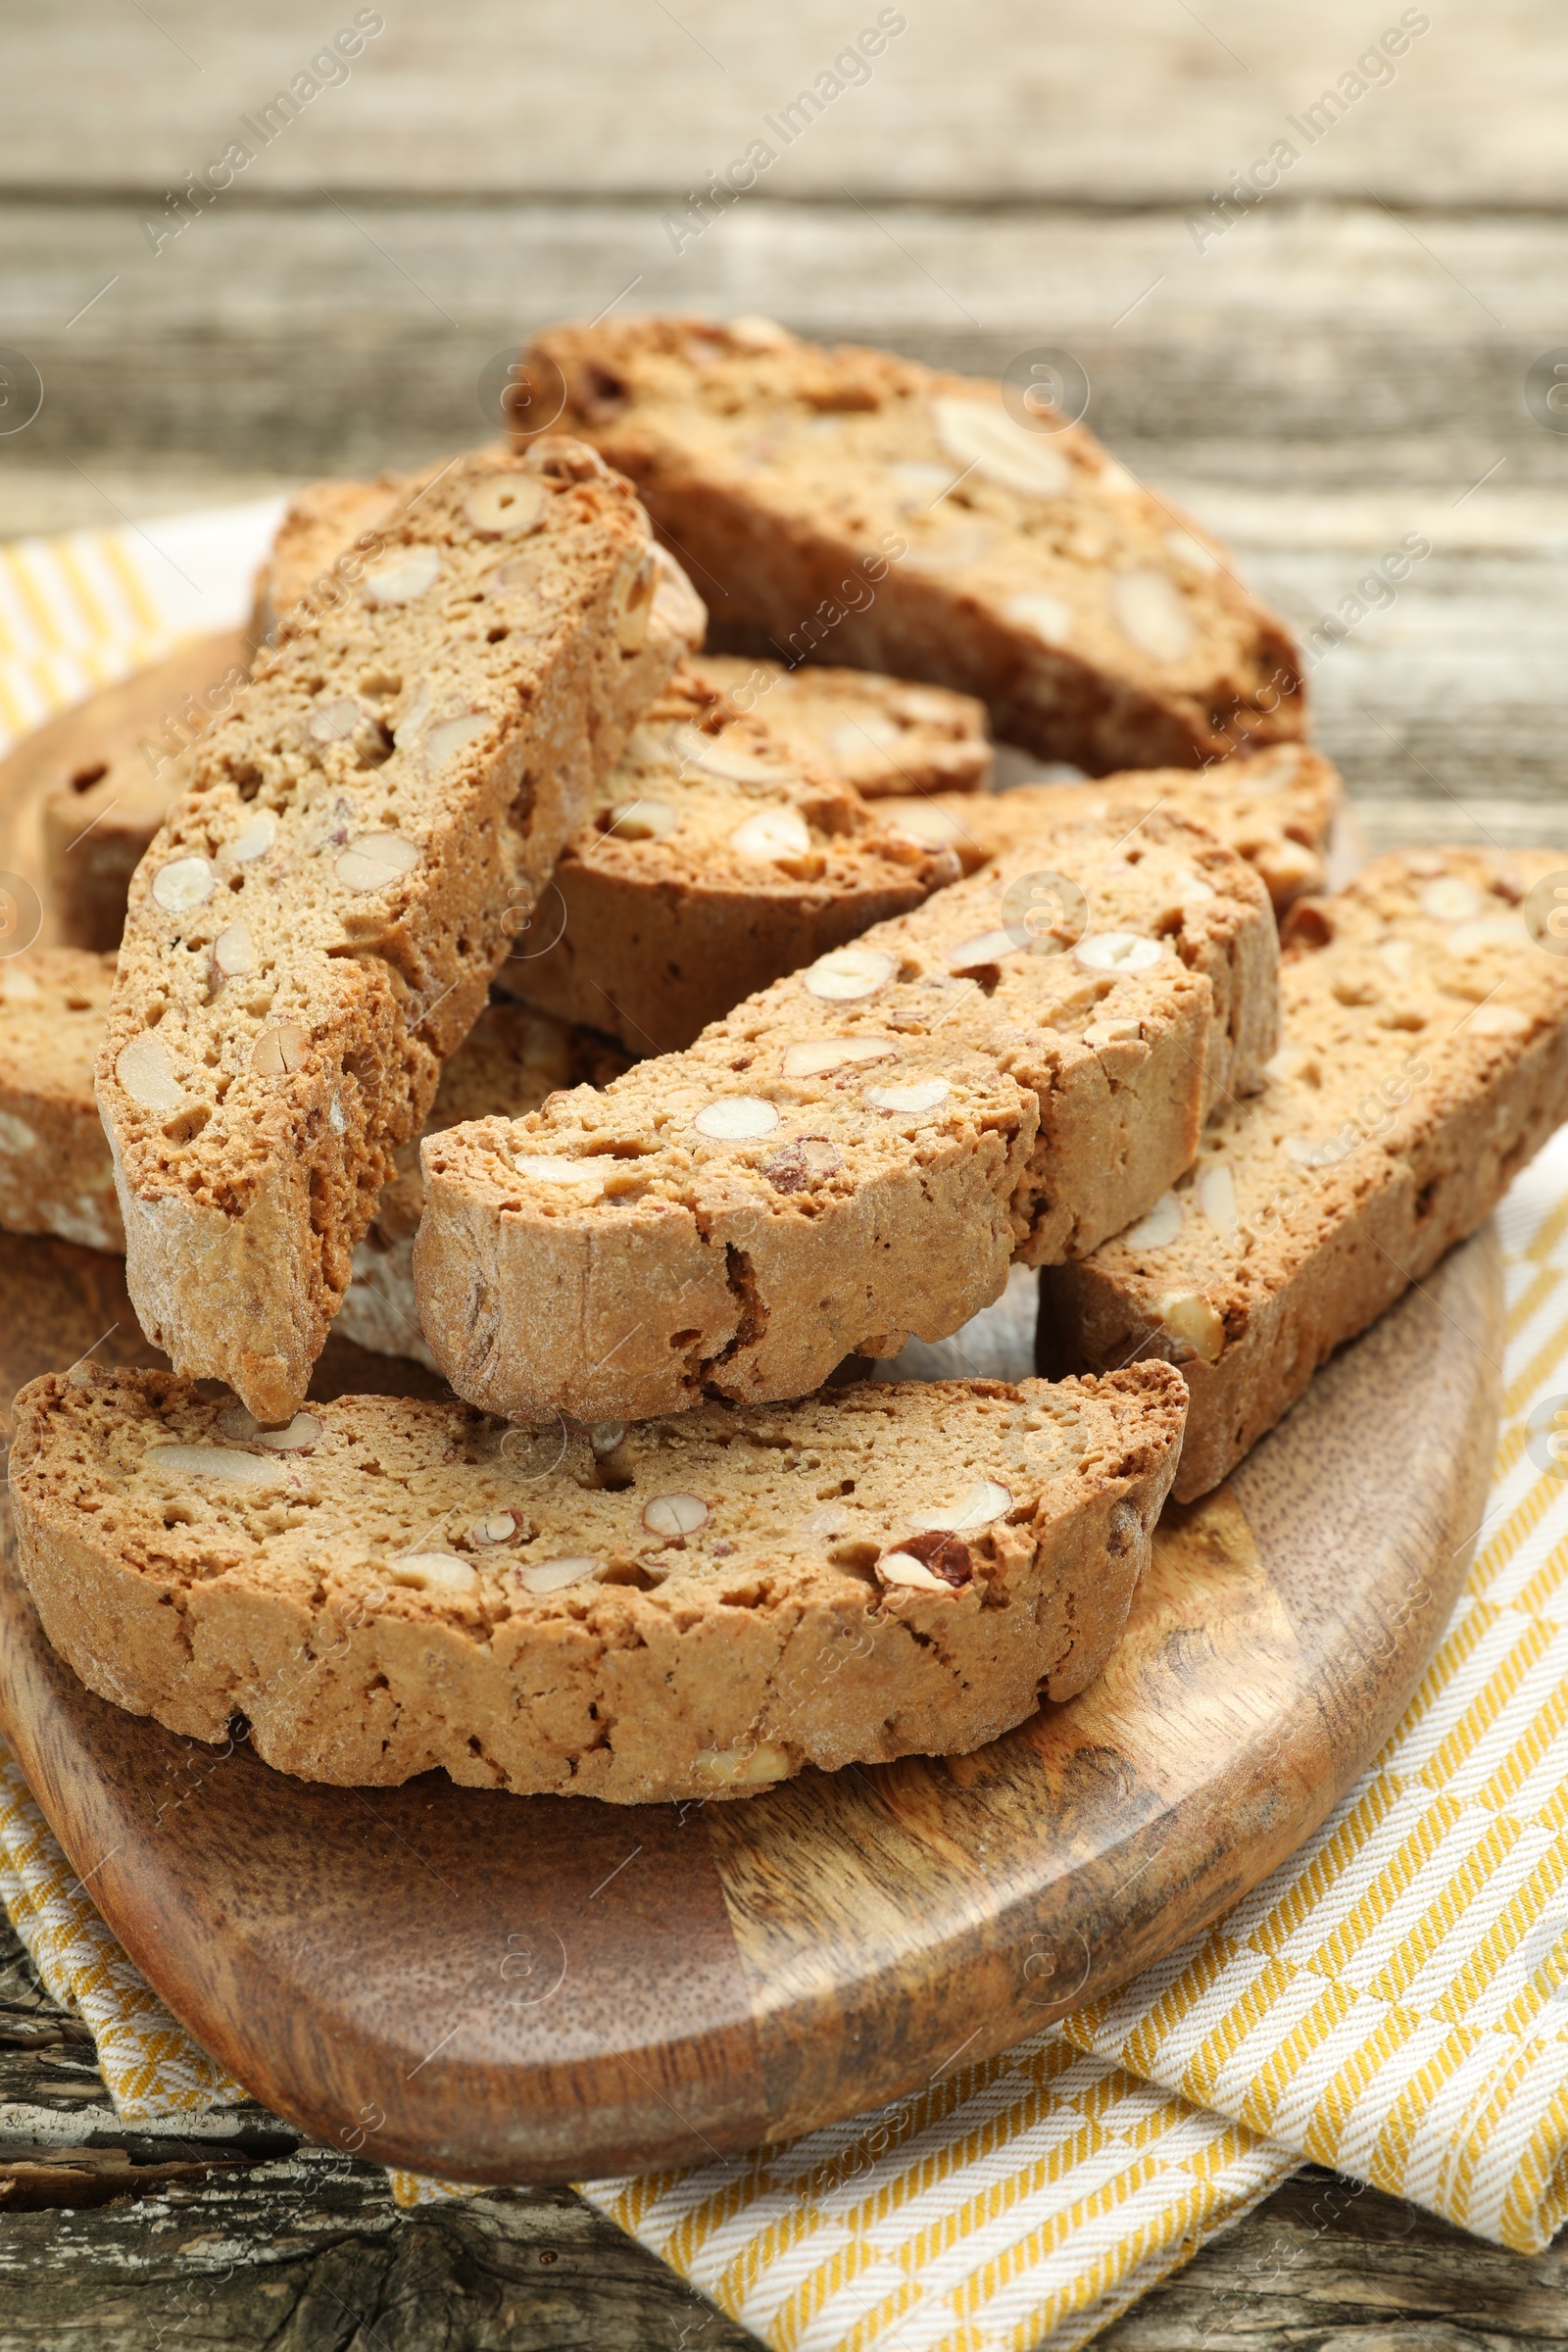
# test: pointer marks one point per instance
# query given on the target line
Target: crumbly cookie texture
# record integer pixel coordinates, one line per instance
(315, 927)
(718, 856)
(1018, 1067)
(882, 735)
(858, 508)
(330, 532)
(1425, 1060)
(1276, 809)
(686, 1609)
(105, 773)
(511, 1060)
(56, 1175)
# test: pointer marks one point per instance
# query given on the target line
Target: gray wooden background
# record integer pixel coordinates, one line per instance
(1344, 363)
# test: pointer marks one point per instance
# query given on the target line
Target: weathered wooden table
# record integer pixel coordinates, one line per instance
(1364, 352)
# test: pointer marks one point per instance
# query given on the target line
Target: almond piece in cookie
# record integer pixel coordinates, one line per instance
(315, 927)
(860, 509)
(1019, 1067)
(405, 1586)
(1425, 1016)
(720, 855)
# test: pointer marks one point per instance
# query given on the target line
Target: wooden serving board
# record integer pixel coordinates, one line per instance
(539, 1989)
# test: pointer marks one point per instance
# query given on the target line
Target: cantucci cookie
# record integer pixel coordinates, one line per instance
(718, 856)
(1019, 1066)
(882, 735)
(56, 1175)
(1425, 1059)
(315, 927)
(854, 507)
(104, 775)
(332, 531)
(1276, 809)
(687, 1609)
(509, 1061)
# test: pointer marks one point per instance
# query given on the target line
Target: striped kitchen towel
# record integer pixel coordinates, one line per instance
(1392, 2002)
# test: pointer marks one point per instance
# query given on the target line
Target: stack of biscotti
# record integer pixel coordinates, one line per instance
(1276, 809)
(1020, 1065)
(718, 856)
(687, 1608)
(315, 927)
(854, 507)
(1425, 1059)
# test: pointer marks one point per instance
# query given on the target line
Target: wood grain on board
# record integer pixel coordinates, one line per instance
(542, 1989)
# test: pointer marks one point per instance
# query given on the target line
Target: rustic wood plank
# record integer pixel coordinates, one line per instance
(1138, 102)
(1324, 337)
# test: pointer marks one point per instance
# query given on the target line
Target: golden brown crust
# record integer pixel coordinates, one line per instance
(719, 854)
(858, 1152)
(316, 925)
(669, 1611)
(858, 508)
(1425, 1060)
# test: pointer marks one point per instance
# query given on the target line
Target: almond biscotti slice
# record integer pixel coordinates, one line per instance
(315, 927)
(718, 856)
(1017, 1068)
(882, 735)
(1276, 809)
(332, 531)
(687, 1608)
(104, 773)
(849, 506)
(511, 1060)
(1425, 1060)
(56, 1175)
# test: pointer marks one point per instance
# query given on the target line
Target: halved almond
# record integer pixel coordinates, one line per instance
(737, 1118)
(403, 577)
(182, 884)
(814, 1057)
(375, 862)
